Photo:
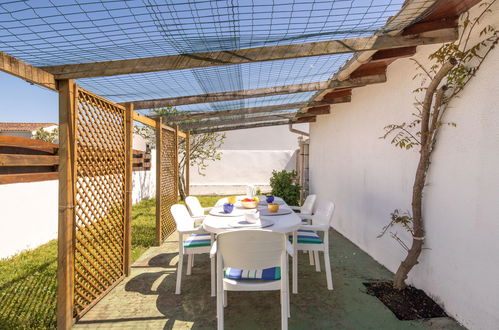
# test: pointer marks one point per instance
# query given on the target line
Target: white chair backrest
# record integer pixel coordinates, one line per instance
(250, 191)
(308, 205)
(182, 217)
(194, 206)
(324, 214)
(251, 249)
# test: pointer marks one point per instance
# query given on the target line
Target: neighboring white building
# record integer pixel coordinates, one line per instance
(248, 157)
(26, 130)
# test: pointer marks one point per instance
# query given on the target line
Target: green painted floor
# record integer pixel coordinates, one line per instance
(146, 299)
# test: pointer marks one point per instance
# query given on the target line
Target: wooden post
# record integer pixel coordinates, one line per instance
(187, 162)
(127, 249)
(175, 153)
(158, 180)
(65, 261)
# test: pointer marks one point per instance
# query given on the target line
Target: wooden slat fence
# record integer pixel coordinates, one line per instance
(29, 160)
(142, 160)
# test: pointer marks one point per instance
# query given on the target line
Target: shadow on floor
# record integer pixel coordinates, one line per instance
(147, 299)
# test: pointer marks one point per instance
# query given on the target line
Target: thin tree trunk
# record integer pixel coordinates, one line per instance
(417, 221)
(181, 187)
(420, 179)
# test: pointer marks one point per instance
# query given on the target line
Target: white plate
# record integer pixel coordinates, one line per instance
(219, 212)
(245, 224)
(282, 211)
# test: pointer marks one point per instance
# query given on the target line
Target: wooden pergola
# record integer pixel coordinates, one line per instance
(95, 151)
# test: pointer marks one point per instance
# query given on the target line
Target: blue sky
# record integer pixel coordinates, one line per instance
(23, 102)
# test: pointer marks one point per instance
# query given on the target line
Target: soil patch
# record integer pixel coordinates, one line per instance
(407, 304)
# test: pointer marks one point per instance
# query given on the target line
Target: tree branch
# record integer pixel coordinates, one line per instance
(425, 115)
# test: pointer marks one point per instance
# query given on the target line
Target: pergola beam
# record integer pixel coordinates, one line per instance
(259, 92)
(248, 55)
(264, 124)
(27, 72)
(234, 121)
(182, 116)
(315, 111)
(187, 115)
(152, 123)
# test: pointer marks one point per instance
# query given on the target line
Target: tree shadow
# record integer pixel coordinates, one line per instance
(194, 306)
(162, 259)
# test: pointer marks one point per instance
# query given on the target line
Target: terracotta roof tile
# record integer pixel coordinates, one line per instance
(25, 127)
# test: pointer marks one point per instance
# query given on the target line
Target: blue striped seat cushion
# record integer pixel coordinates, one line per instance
(269, 274)
(197, 240)
(307, 237)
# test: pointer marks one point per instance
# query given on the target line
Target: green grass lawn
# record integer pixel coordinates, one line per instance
(28, 280)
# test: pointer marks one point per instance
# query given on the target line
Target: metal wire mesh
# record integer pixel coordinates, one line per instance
(76, 31)
(168, 182)
(99, 186)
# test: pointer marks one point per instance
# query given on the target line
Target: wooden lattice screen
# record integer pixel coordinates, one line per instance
(166, 180)
(100, 197)
(95, 173)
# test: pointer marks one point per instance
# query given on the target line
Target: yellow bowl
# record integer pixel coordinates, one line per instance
(231, 200)
(273, 207)
(249, 205)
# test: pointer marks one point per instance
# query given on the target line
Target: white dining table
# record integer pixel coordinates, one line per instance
(216, 222)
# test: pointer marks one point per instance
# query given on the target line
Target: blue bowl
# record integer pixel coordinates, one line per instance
(270, 198)
(228, 208)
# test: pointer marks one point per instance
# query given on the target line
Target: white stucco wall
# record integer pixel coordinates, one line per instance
(263, 138)
(28, 211)
(28, 215)
(368, 178)
(248, 157)
(144, 182)
(238, 168)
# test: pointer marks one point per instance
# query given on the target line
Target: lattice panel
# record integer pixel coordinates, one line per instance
(169, 182)
(99, 187)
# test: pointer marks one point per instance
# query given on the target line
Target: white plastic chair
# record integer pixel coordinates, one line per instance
(308, 240)
(197, 241)
(308, 205)
(195, 208)
(253, 251)
(308, 209)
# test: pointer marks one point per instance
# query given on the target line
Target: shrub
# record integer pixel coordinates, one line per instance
(284, 185)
